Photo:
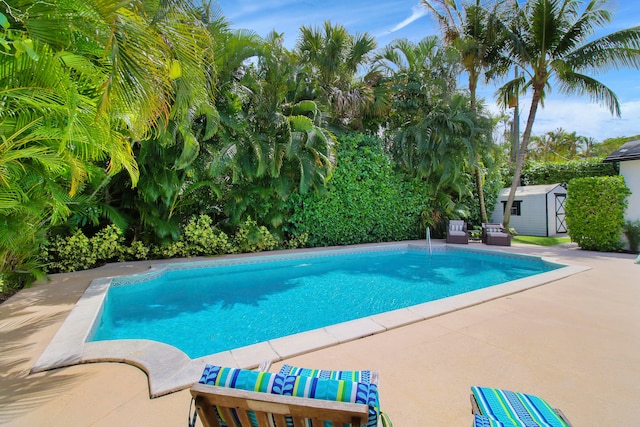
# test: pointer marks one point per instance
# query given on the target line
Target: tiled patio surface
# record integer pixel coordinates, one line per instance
(575, 342)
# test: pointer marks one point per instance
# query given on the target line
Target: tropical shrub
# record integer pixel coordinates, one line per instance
(71, 253)
(137, 251)
(536, 173)
(108, 244)
(252, 237)
(366, 200)
(202, 239)
(595, 212)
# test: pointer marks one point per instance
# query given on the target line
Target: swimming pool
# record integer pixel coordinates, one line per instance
(170, 369)
(210, 307)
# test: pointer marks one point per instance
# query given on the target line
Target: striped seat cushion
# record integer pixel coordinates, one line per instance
(513, 409)
(295, 385)
(355, 376)
(482, 421)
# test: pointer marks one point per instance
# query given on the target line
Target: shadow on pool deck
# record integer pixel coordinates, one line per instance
(575, 341)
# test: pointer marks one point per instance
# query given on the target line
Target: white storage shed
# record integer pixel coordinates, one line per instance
(538, 210)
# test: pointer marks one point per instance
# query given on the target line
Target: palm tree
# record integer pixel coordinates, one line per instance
(473, 29)
(426, 68)
(281, 146)
(429, 125)
(80, 82)
(547, 39)
(335, 57)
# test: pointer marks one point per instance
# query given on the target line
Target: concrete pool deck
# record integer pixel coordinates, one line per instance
(575, 341)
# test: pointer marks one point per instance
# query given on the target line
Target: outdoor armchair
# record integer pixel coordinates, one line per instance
(457, 232)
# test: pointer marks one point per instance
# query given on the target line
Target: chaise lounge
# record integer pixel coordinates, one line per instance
(243, 398)
(494, 407)
(457, 232)
(495, 234)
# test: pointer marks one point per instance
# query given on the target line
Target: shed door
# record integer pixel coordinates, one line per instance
(561, 223)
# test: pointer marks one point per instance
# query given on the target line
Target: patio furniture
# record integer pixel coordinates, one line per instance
(365, 376)
(494, 407)
(457, 232)
(243, 398)
(495, 234)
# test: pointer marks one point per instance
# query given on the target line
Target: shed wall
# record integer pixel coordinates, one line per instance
(537, 213)
(630, 170)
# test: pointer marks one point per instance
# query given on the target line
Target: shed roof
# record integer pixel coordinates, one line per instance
(530, 190)
(629, 151)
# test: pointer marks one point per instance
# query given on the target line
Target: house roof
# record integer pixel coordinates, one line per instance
(629, 151)
(531, 190)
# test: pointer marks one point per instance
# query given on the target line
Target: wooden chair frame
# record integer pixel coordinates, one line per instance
(271, 410)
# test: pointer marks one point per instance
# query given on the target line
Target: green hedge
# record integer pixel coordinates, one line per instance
(536, 173)
(366, 200)
(199, 238)
(595, 212)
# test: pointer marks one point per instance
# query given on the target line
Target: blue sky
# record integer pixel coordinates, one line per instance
(388, 20)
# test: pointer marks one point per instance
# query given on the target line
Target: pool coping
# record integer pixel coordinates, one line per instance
(169, 369)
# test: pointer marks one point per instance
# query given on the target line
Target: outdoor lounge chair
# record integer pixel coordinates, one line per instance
(495, 234)
(494, 407)
(244, 398)
(457, 232)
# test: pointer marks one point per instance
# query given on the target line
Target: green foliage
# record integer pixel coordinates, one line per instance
(632, 231)
(536, 173)
(610, 145)
(202, 239)
(299, 241)
(199, 238)
(137, 251)
(71, 253)
(75, 252)
(108, 244)
(595, 212)
(366, 200)
(252, 237)
(176, 249)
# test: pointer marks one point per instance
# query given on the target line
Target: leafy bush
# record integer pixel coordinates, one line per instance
(108, 244)
(366, 200)
(71, 253)
(176, 249)
(202, 239)
(137, 251)
(251, 237)
(536, 173)
(595, 212)
(632, 231)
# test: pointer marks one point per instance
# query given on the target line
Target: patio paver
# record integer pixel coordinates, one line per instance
(575, 341)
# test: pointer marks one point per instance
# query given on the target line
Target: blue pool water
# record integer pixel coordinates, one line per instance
(214, 308)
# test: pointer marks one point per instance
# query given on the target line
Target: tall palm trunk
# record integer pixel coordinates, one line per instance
(473, 84)
(535, 100)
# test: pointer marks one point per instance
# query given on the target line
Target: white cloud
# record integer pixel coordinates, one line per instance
(417, 12)
(584, 118)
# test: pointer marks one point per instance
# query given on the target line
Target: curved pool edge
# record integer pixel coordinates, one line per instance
(168, 369)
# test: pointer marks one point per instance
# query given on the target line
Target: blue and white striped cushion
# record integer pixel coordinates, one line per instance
(295, 385)
(356, 376)
(516, 409)
(482, 421)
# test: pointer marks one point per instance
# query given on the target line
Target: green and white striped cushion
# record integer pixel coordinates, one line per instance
(516, 409)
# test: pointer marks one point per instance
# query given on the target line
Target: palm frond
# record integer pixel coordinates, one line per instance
(580, 84)
(613, 51)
